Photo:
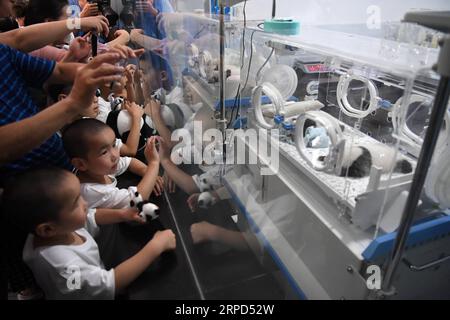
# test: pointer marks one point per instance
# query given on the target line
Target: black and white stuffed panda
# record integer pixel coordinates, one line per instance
(146, 208)
(120, 121)
(206, 200)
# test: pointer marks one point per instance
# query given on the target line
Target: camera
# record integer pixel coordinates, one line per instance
(127, 14)
(104, 7)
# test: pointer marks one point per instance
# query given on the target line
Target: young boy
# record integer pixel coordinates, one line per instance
(91, 146)
(62, 254)
(97, 111)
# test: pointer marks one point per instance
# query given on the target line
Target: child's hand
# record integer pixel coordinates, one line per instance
(170, 184)
(130, 70)
(126, 52)
(159, 186)
(192, 201)
(135, 34)
(122, 33)
(151, 154)
(97, 72)
(164, 150)
(135, 111)
(153, 107)
(131, 214)
(164, 240)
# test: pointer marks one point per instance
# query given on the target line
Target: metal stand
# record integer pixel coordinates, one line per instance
(222, 121)
(439, 21)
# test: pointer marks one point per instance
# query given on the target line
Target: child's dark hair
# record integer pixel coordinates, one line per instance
(35, 197)
(38, 11)
(19, 8)
(56, 89)
(159, 64)
(76, 135)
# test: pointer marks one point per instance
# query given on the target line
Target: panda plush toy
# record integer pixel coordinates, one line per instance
(146, 208)
(120, 121)
(206, 200)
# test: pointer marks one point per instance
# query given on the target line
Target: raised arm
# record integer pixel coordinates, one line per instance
(147, 183)
(20, 137)
(181, 178)
(34, 37)
(153, 108)
(121, 37)
(130, 147)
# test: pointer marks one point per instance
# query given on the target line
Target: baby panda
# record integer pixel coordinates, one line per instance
(357, 160)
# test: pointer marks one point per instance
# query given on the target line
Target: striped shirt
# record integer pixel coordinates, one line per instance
(18, 72)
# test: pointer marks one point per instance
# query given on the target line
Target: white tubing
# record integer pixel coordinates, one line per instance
(274, 95)
(342, 96)
(293, 109)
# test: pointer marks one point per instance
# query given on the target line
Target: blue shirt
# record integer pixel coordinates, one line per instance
(18, 72)
(147, 21)
(75, 12)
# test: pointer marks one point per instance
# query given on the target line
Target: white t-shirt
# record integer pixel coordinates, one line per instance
(119, 145)
(108, 195)
(71, 271)
(104, 108)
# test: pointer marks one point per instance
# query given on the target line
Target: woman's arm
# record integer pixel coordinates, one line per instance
(34, 37)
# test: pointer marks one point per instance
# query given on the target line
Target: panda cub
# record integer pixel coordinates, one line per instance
(358, 160)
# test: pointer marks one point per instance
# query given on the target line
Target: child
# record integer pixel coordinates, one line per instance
(98, 111)
(91, 146)
(62, 254)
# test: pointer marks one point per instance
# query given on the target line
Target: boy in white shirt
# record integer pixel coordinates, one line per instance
(61, 253)
(100, 111)
(91, 146)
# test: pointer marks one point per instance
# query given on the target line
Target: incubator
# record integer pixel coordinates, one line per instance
(345, 117)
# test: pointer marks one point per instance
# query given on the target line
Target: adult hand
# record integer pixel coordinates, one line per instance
(79, 49)
(98, 72)
(89, 10)
(144, 6)
(98, 24)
